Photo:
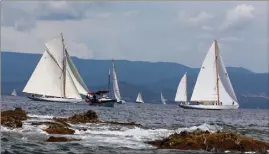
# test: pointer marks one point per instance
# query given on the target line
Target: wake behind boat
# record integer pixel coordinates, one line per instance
(213, 89)
(55, 77)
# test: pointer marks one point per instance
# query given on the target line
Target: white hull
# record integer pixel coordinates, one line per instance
(51, 99)
(210, 107)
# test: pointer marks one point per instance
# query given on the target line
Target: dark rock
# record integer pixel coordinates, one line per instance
(13, 118)
(60, 139)
(56, 128)
(214, 142)
(86, 117)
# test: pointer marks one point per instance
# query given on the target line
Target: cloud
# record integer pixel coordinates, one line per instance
(238, 16)
(231, 39)
(197, 19)
(207, 28)
(139, 30)
(24, 15)
(131, 13)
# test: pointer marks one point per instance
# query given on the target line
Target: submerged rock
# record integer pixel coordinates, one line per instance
(214, 142)
(61, 139)
(13, 118)
(56, 128)
(86, 117)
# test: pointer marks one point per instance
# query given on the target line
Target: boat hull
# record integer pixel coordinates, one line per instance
(51, 99)
(139, 102)
(104, 102)
(121, 102)
(210, 107)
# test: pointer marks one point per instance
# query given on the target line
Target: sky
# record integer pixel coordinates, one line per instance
(180, 32)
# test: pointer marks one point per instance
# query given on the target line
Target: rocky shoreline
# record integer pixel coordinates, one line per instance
(212, 142)
(13, 119)
(195, 140)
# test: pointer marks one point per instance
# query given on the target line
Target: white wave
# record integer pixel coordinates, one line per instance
(132, 137)
(108, 135)
(40, 116)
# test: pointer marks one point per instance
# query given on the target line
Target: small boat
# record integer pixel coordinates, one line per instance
(162, 99)
(116, 90)
(55, 78)
(139, 98)
(213, 89)
(100, 98)
(14, 93)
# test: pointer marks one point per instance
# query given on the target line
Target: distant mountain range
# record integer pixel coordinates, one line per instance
(137, 76)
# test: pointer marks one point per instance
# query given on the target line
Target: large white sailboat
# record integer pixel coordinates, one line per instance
(181, 94)
(116, 89)
(213, 89)
(139, 98)
(55, 77)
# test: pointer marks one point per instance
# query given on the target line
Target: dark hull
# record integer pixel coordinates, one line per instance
(105, 103)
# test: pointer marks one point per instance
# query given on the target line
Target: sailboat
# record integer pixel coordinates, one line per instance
(162, 99)
(14, 93)
(213, 89)
(139, 98)
(181, 94)
(116, 90)
(101, 97)
(55, 77)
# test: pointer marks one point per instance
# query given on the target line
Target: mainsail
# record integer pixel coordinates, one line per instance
(162, 99)
(139, 98)
(181, 94)
(14, 93)
(213, 83)
(55, 74)
(116, 89)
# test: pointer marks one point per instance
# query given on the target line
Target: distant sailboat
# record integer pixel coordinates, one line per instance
(181, 94)
(14, 93)
(116, 90)
(55, 77)
(139, 98)
(213, 89)
(162, 99)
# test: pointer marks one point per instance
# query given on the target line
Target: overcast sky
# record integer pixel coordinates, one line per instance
(180, 32)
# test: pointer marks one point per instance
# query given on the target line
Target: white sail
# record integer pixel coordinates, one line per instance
(162, 99)
(205, 89)
(79, 83)
(116, 89)
(181, 94)
(48, 77)
(14, 93)
(226, 91)
(139, 98)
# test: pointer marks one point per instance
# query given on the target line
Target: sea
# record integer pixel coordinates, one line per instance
(158, 121)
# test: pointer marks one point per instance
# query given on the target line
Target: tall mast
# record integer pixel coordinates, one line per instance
(109, 82)
(217, 69)
(64, 66)
(186, 89)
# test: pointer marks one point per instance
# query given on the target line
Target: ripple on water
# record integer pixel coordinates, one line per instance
(158, 121)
